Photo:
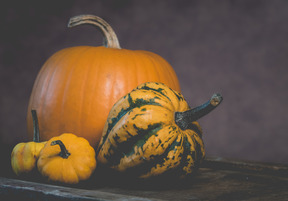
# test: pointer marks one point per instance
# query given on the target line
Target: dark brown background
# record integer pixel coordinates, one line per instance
(238, 48)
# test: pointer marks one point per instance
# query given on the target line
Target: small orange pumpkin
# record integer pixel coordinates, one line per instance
(67, 159)
(77, 86)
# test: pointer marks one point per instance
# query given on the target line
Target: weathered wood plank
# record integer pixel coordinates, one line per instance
(218, 185)
(13, 189)
(218, 179)
(246, 166)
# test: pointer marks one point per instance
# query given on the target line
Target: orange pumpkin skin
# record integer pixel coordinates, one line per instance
(76, 88)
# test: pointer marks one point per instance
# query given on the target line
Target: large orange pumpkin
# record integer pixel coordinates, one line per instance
(76, 87)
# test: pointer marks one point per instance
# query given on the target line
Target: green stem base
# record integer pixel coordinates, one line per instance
(183, 119)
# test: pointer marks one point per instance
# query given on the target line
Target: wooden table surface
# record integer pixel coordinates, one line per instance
(217, 179)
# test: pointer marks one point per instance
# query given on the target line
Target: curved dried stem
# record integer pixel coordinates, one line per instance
(64, 152)
(110, 38)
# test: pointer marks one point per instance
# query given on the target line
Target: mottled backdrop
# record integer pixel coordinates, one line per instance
(238, 48)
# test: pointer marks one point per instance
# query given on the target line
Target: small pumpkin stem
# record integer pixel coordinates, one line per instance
(64, 152)
(110, 38)
(36, 134)
(183, 119)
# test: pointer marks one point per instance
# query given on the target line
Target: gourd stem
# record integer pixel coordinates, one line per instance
(110, 38)
(183, 119)
(64, 152)
(36, 134)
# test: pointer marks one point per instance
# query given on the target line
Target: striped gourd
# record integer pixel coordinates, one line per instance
(152, 131)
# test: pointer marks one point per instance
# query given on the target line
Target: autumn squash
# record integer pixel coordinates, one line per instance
(67, 159)
(152, 131)
(25, 154)
(77, 86)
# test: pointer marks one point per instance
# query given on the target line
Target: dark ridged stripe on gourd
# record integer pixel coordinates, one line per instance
(200, 154)
(188, 158)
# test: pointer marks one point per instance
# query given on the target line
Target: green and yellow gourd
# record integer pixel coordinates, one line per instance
(152, 131)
